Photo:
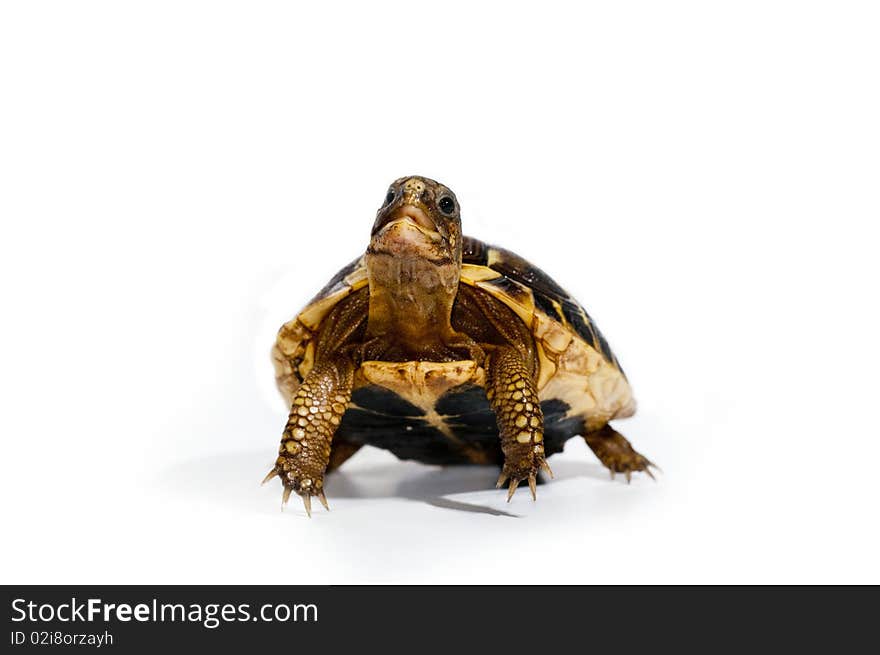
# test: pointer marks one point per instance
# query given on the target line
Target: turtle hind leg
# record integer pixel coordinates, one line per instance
(340, 451)
(616, 453)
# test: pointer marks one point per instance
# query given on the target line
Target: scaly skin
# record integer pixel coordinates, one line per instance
(315, 413)
(616, 453)
(511, 391)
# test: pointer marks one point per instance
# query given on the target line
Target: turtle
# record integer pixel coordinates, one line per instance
(445, 350)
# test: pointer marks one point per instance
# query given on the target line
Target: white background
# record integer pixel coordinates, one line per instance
(178, 178)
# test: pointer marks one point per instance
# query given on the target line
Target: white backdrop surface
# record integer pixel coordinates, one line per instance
(178, 178)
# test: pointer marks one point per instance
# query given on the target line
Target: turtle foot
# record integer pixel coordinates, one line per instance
(617, 454)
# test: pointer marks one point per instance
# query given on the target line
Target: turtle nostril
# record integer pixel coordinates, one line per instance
(414, 188)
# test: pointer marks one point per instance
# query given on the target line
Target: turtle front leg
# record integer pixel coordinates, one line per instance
(315, 413)
(511, 391)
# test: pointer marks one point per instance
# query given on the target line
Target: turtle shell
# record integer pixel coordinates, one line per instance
(437, 412)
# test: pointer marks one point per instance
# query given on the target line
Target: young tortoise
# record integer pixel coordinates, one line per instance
(444, 350)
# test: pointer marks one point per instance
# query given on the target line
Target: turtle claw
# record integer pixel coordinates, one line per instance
(628, 473)
(512, 488)
(617, 454)
(514, 484)
(523, 471)
(306, 498)
(305, 493)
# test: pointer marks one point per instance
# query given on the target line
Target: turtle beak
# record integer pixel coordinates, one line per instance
(418, 216)
(407, 231)
(412, 214)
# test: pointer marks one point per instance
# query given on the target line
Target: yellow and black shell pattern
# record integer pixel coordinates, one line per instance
(580, 383)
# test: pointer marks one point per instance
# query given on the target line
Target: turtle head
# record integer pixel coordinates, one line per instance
(419, 219)
(414, 268)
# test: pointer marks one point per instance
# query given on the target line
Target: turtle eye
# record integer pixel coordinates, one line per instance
(447, 205)
(389, 197)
